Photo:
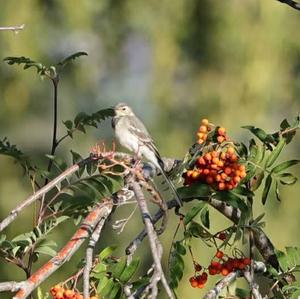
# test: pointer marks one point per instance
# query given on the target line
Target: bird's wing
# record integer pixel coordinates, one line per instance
(137, 128)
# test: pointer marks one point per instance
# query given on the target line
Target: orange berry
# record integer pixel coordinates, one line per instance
(215, 160)
(221, 186)
(233, 157)
(242, 168)
(209, 180)
(220, 164)
(229, 186)
(94, 297)
(207, 157)
(78, 296)
(223, 176)
(214, 154)
(189, 173)
(243, 174)
(218, 178)
(237, 179)
(203, 129)
(204, 122)
(224, 271)
(69, 294)
(221, 131)
(195, 175)
(200, 285)
(212, 270)
(214, 166)
(230, 150)
(220, 139)
(59, 295)
(200, 141)
(206, 171)
(227, 170)
(219, 254)
(201, 161)
(223, 156)
(200, 135)
(193, 282)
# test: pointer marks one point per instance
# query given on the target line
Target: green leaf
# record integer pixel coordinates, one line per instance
(198, 231)
(260, 134)
(194, 191)
(242, 293)
(204, 216)
(71, 57)
(296, 295)
(179, 248)
(46, 250)
(284, 165)
(287, 179)
(115, 292)
(68, 124)
(266, 190)
(130, 270)
(277, 193)
(193, 212)
(258, 180)
(117, 268)
(106, 252)
(232, 199)
(275, 153)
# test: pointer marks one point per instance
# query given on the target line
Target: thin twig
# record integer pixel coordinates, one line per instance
(253, 286)
(12, 28)
(89, 257)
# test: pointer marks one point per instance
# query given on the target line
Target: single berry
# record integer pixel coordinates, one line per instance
(204, 122)
(219, 254)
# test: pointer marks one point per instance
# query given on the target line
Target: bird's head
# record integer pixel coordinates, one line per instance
(122, 109)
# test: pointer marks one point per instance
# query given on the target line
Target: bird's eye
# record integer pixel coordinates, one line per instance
(124, 108)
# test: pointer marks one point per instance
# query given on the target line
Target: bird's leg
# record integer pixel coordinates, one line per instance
(137, 157)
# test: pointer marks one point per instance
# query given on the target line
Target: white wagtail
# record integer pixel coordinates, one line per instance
(132, 134)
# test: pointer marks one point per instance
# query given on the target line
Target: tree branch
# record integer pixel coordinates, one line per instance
(155, 246)
(12, 28)
(291, 3)
(89, 257)
(99, 213)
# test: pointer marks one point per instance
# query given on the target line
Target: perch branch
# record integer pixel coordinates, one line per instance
(291, 3)
(12, 28)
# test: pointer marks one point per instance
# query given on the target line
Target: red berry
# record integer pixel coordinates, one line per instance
(246, 261)
(193, 282)
(219, 254)
(197, 267)
(222, 236)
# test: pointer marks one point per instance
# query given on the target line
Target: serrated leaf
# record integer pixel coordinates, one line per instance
(130, 270)
(275, 153)
(267, 188)
(284, 165)
(106, 252)
(193, 212)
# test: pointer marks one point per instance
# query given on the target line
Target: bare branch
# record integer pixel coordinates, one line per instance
(253, 285)
(226, 281)
(89, 257)
(12, 286)
(99, 213)
(12, 28)
(291, 3)
(155, 246)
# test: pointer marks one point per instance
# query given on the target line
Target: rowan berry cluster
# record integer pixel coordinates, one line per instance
(205, 128)
(225, 265)
(59, 292)
(220, 264)
(217, 168)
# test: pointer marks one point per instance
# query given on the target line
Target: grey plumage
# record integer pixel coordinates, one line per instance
(133, 135)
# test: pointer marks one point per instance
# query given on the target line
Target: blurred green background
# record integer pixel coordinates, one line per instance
(233, 62)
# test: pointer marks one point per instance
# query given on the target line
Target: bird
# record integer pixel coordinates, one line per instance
(132, 134)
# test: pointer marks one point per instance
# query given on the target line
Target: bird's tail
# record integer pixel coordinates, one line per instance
(173, 188)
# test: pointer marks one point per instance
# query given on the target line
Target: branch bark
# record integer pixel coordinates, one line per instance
(99, 213)
(291, 3)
